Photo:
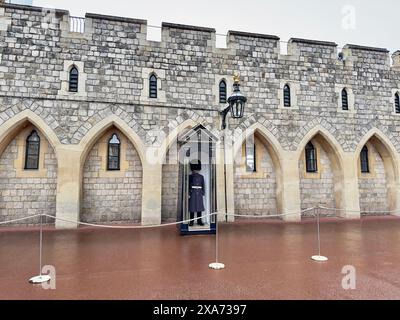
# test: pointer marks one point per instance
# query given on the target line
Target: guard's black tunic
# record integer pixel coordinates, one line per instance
(196, 192)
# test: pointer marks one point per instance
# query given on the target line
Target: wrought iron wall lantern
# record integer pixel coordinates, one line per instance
(236, 101)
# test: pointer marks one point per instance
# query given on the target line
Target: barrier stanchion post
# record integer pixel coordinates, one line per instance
(40, 278)
(216, 265)
(318, 257)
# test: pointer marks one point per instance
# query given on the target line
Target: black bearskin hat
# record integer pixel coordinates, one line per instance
(195, 165)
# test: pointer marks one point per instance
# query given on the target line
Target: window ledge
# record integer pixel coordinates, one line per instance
(350, 111)
(312, 175)
(253, 175)
(289, 108)
(75, 95)
(366, 176)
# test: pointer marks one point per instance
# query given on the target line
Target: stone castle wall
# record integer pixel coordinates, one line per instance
(115, 60)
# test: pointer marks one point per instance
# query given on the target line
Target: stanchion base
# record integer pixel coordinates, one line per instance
(216, 266)
(319, 258)
(39, 279)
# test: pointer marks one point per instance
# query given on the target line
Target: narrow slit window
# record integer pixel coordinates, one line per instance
(397, 102)
(222, 91)
(114, 153)
(345, 100)
(73, 79)
(153, 86)
(32, 151)
(311, 158)
(250, 154)
(286, 96)
(364, 160)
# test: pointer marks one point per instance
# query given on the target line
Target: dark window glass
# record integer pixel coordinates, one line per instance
(222, 91)
(286, 96)
(32, 151)
(114, 153)
(73, 80)
(397, 102)
(311, 158)
(345, 100)
(153, 86)
(251, 161)
(364, 160)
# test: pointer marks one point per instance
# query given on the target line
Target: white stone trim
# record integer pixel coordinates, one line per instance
(294, 92)
(64, 77)
(350, 96)
(215, 89)
(160, 74)
(394, 91)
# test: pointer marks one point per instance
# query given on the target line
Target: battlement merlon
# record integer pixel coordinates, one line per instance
(33, 8)
(114, 18)
(298, 47)
(371, 55)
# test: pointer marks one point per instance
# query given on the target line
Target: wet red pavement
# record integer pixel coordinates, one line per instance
(265, 260)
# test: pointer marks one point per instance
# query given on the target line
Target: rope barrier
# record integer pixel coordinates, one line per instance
(130, 227)
(172, 223)
(21, 219)
(188, 220)
(356, 211)
(269, 216)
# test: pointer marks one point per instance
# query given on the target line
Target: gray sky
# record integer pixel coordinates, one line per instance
(372, 23)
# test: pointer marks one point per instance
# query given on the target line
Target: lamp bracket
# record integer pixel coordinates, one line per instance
(224, 113)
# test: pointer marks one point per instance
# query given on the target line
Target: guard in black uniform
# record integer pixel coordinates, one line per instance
(196, 193)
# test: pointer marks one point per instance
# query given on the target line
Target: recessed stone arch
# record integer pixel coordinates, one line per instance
(169, 159)
(27, 192)
(258, 192)
(103, 117)
(176, 129)
(326, 186)
(100, 127)
(378, 188)
(325, 126)
(111, 196)
(9, 128)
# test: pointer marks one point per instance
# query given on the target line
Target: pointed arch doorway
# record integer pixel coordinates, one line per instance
(197, 157)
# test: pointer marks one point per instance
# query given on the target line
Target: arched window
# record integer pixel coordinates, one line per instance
(73, 79)
(397, 102)
(153, 86)
(311, 158)
(364, 160)
(114, 153)
(286, 96)
(32, 151)
(222, 91)
(345, 100)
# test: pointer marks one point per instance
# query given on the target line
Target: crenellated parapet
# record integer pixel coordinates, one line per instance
(133, 32)
(115, 58)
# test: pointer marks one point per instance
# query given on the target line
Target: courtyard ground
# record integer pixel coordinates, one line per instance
(264, 260)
